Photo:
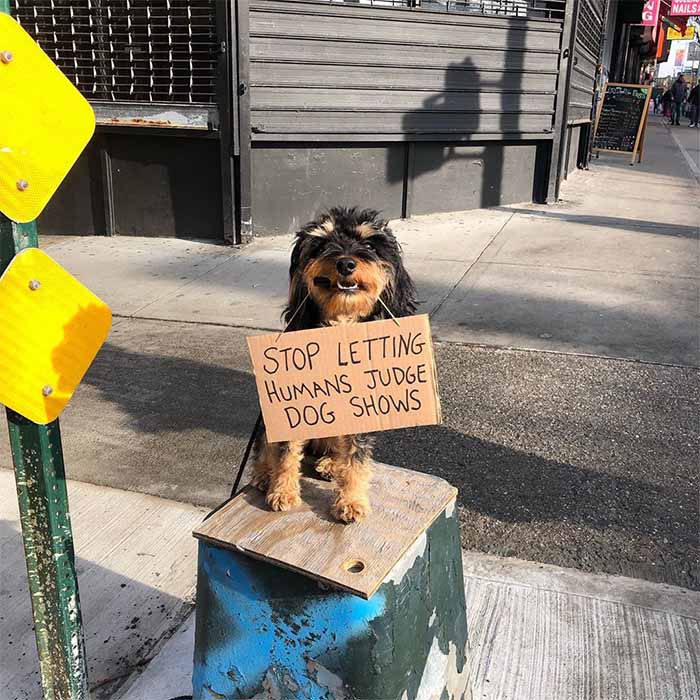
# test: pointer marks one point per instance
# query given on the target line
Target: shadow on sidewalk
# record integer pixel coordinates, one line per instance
(512, 488)
(659, 228)
(163, 394)
(124, 621)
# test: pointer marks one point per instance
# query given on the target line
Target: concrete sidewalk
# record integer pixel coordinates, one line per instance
(568, 348)
(536, 631)
(567, 351)
(611, 270)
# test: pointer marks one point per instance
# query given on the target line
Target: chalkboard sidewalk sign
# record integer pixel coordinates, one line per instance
(621, 120)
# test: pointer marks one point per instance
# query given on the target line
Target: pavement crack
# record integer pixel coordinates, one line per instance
(439, 305)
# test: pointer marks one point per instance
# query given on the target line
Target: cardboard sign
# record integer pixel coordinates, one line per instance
(346, 379)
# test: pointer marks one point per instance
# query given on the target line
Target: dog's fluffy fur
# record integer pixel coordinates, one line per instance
(336, 295)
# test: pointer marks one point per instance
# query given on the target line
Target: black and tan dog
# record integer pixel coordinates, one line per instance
(344, 265)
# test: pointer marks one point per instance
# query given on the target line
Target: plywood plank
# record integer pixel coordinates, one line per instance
(268, 74)
(290, 121)
(308, 540)
(341, 29)
(320, 99)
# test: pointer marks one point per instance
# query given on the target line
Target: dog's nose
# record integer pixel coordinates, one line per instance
(345, 266)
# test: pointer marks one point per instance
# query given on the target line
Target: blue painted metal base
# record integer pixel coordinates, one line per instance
(265, 633)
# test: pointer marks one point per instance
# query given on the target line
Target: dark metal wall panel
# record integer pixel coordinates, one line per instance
(453, 178)
(166, 187)
(161, 186)
(72, 211)
(320, 69)
(587, 45)
(292, 184)
(573, 146)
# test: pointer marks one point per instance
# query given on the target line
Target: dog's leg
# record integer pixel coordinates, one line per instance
(264, 456)
(283, 492)
(349, 461)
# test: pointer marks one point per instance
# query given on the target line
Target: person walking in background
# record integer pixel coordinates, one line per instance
(678, 94)
(694, 103)
(667, 104)
(656, 95)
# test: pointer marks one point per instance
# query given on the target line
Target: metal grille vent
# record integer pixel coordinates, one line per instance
(129, 50)
(539, 9)
(588, 29)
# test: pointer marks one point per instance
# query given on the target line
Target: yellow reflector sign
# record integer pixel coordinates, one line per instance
(51, 328)
(45, 124)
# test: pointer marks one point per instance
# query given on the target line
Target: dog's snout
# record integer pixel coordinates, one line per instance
(345, 266)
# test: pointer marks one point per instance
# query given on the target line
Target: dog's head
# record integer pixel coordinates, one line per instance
(346, 261)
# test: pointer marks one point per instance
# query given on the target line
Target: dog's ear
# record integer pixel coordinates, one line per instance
(306, 316)
(400, 295)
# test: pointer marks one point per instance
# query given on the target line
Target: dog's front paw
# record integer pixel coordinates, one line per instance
(283, 500)
(350, 511)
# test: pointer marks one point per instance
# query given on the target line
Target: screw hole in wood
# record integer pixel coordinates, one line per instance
(354, 566)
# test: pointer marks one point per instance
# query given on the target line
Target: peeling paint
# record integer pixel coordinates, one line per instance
(404, 565)
(290, 683)
(270, 689)
(441, 674)
(48, 546)
(292, 641)
(328, 680)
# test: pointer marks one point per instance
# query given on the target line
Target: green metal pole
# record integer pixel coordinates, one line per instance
(48, 540)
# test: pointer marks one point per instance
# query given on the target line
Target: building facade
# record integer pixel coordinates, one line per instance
(227, 118)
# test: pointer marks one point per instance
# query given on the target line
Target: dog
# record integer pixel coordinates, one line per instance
(346, 267)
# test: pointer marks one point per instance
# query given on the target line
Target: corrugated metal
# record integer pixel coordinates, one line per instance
(129, 50)
(354, 71)
(587, 48)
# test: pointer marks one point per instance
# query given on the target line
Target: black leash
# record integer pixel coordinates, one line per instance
(258, 422)
(241, 468)
(246, 454)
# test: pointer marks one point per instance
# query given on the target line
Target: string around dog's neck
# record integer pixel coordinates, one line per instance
(388, 310)
(293, 316)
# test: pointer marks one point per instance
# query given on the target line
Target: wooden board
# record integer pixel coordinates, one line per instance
(414, 73)
(309, 541)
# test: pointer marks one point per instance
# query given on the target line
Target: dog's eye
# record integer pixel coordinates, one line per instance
(368, 244)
